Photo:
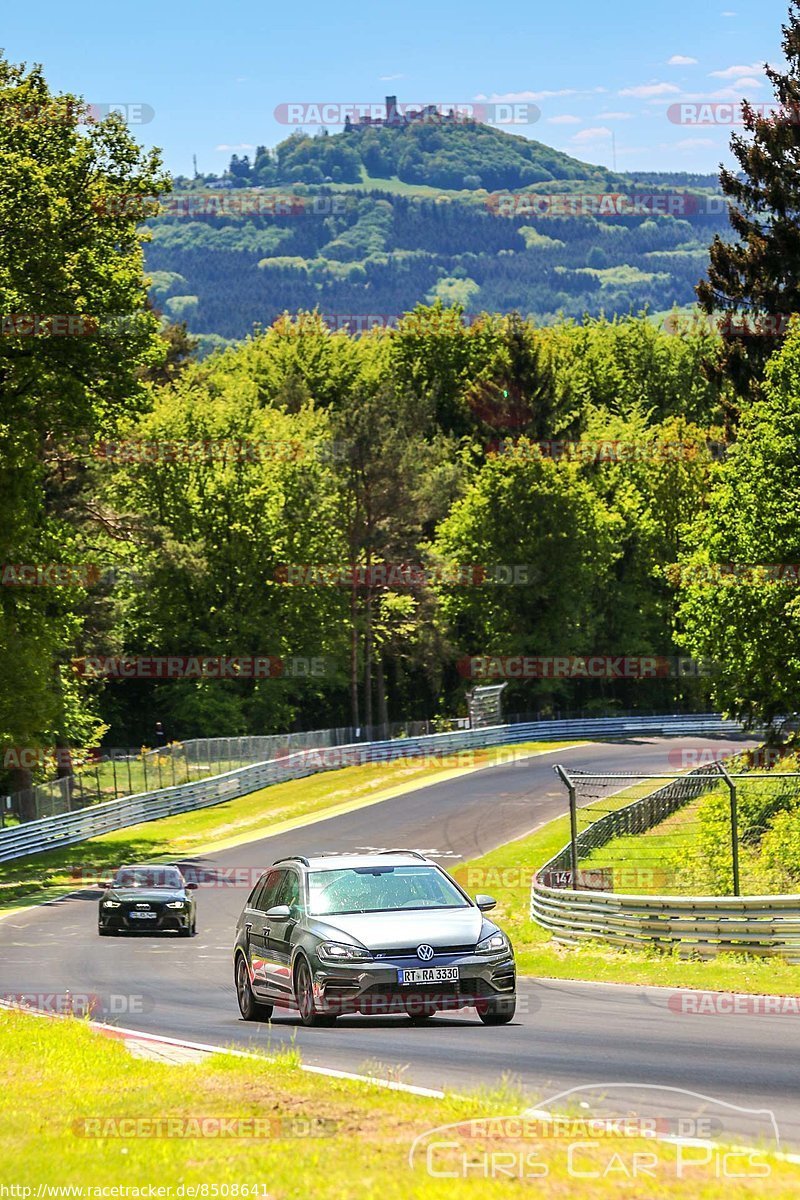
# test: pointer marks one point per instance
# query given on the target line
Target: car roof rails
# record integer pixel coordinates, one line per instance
(401, 850)
(301, 858)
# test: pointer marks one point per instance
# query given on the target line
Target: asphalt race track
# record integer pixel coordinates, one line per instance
(566, 1035)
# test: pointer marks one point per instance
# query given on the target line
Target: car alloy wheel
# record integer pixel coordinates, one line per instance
(250, 1009)
(304, 995)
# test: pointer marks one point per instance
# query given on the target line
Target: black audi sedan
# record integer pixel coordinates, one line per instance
(146, 898)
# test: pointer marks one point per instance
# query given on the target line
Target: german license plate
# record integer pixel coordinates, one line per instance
(427, 975)
(145, 916)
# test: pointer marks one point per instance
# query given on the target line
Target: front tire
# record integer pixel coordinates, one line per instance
(497, 1012)
(304, 997)
(249, 1007)
(420, 1014)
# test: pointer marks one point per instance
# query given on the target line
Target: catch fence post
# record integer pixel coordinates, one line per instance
(573, 823)
(734, 825)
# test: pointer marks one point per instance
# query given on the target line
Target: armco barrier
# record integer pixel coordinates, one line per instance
(66, 829)
(764, 925)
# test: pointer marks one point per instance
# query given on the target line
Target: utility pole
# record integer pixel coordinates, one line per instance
(194, 160)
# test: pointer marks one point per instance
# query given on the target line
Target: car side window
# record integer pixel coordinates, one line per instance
(272, 887)
(290, 890)
(252, 901)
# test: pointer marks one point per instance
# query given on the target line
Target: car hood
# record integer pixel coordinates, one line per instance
(395, 930)
(148, 895)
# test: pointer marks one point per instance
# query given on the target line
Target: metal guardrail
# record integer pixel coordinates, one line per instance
(65, 829)
(765, 925)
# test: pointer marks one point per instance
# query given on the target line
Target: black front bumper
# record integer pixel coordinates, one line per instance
(121, 920)
(374, 988)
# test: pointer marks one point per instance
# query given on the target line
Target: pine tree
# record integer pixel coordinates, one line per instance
(755, 281)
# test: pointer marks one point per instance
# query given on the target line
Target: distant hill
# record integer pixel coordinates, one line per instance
(463, 155)
(366, 224)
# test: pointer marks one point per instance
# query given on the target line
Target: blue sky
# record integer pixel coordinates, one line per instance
(215, 74)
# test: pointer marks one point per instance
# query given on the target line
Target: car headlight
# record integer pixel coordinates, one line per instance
(338, 952)
(175, 903)
(493, 944)
(111, 904)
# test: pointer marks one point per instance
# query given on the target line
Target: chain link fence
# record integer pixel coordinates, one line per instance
(715, 831)
(109, 774)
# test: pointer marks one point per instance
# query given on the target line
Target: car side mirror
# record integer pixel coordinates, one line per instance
(484, 903)
(191, 887)
(280, 912)
(105, 884)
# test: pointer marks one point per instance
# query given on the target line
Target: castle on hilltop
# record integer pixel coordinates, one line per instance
(411, 114)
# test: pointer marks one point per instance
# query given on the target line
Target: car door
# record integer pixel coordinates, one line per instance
(279, 938)
(256, 928)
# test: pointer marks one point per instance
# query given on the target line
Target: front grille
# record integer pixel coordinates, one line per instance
(464, 991)
(411, 951)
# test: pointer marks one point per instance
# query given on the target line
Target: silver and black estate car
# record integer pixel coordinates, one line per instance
(378, 933)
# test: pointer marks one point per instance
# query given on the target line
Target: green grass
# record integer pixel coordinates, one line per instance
(44, 876)
(506, 873)
(654, 862)
(63, 1085)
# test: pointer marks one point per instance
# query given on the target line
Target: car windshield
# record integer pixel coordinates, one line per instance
(380, 889)
(148, 877)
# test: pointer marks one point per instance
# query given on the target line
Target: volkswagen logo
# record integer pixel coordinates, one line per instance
(425, 953)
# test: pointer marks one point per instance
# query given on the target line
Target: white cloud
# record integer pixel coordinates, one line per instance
(735, 72)
(225, 148)
(389, 78)
(595, 134)
(565, 119)
(692, 143)
(516, 97)
(749, 81)
(614, 116)
(648, 91)
(681, 60)
(728, 14)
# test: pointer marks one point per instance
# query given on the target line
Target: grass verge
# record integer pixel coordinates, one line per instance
(86, 1113)
(42, 877)
(507, 872)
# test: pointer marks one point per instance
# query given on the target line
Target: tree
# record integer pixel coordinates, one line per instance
(544, 542)
(755, 281)
(739, 601)
(71, 203)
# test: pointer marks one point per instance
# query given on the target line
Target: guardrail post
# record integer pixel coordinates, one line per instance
(734, 825)
(573, 823)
